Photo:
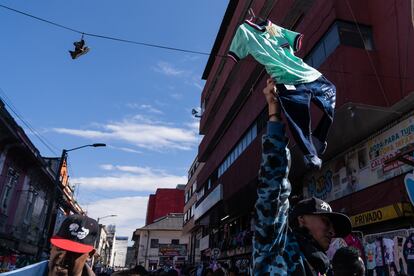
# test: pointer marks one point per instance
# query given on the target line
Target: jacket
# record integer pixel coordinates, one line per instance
(276, 250)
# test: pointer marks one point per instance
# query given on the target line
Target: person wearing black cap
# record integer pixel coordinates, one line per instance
(289, 243)
(72, 246)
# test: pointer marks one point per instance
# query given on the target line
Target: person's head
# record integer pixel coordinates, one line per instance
(72, 245)
(347, 262)
(316, 216)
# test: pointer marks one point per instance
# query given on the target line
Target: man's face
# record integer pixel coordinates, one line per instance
(64, 263)
(320, 227)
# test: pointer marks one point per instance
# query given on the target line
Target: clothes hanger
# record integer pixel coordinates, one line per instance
(255, 19)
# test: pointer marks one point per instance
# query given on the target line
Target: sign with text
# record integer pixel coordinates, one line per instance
(378, 215)
(172, 249)
(363, 166)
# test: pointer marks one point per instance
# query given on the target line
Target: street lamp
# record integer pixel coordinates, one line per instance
(99, 237)
(52, 210)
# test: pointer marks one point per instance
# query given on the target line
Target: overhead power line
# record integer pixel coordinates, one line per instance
(13, 109)
(107, 37)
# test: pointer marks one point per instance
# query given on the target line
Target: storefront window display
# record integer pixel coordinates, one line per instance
(387, 253)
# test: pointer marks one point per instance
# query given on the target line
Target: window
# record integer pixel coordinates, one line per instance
(194, 187)
(355, 35)
(341, 32)
(192, 210)
(154, 243)
(175, 241)
(31, 198)
(11, 180)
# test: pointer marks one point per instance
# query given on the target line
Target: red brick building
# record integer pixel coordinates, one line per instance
(361, 46)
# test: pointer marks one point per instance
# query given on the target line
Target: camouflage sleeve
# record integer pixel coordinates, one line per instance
(271, 209)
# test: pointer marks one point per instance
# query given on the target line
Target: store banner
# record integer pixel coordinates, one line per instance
(363, 166)
(378, 215)
(172, 249)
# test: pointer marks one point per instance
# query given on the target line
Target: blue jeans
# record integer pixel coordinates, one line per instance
(296, 106)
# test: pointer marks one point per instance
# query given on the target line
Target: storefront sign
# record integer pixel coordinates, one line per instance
(378, 215)
(172, 249)
(363, 166)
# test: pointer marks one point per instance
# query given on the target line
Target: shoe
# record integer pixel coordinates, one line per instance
(319, 146)
(312, 162)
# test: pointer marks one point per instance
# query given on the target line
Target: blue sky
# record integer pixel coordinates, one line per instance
(136, 99)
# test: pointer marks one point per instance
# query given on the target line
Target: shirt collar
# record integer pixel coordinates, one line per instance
(261, 27)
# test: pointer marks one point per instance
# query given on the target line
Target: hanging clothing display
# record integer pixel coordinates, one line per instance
(399, 260)
(353, 241)
(408, 252)
(370, 255)
(273, 47)
(334, 246)
(298, 84)
(388, 246)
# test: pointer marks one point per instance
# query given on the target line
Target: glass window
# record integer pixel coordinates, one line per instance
(331, 40)
(30, 204)
(154, 243)
(175, 241)
(355, 35)
(319, 55)
(11, 181)
(254, 131)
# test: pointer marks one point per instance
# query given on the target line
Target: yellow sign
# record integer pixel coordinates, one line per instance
(378, 215)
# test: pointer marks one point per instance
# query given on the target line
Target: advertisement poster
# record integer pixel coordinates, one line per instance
(363, 166)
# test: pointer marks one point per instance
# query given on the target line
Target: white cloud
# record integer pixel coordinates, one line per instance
(167, 69)
(130, 211)
(177, 96)
(145, 107)
(131, 178)
(125, 149)
(140, 132)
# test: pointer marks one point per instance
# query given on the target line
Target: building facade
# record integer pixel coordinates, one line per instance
(26, 191)
(363, 48)
(190, 228)
(110, 252)
(163, 202)
(161, 243)
(120, 251)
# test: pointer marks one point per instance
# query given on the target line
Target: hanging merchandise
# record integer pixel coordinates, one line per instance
(370, 257)
(336, 243)
(388, 246)
(380, 269)
(408, 252)
(354, 241)
(399, 260)
(297, 83)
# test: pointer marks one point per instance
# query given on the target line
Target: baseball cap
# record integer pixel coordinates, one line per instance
(315, 206)
(77, 233)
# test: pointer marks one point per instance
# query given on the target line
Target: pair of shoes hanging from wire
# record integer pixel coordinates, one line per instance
(80, 49)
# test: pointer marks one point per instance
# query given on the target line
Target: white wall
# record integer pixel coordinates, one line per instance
(146, 253)
(120, 252)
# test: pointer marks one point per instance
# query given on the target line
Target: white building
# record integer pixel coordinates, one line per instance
(120, 251)
(161, 243)
(109, 253)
